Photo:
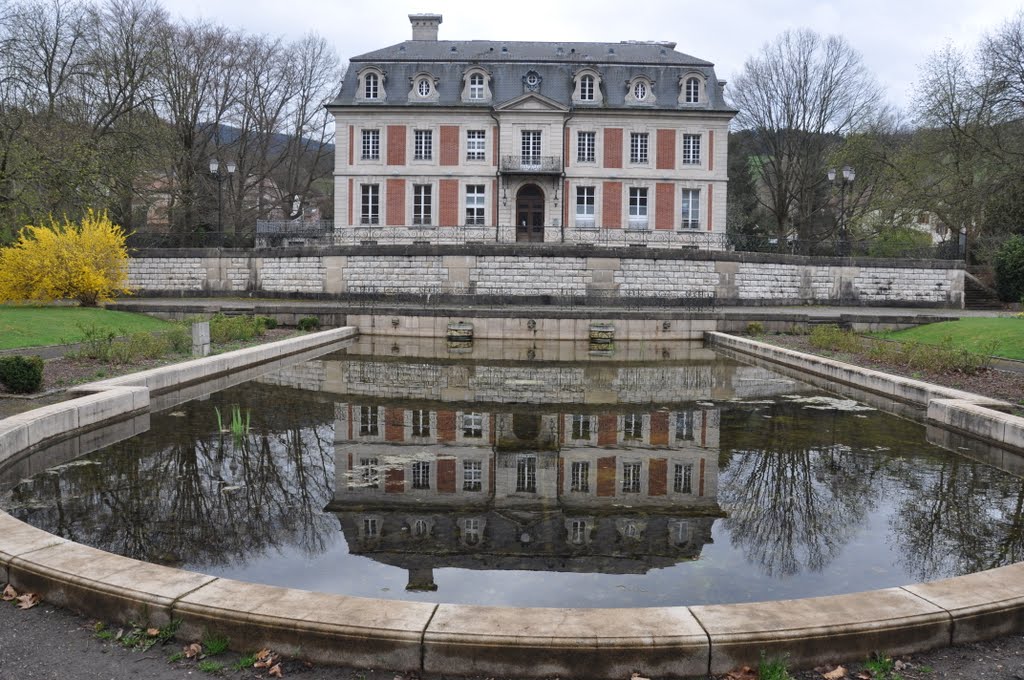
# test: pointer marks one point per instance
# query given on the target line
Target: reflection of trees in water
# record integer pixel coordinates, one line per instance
(793, 510)
(181, 494)
(962, 517)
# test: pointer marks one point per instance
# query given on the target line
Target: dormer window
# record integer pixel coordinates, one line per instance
(424, 88)
(640, 90)
(692, 89)
(588, 86)
(370, 85)
(476, 85)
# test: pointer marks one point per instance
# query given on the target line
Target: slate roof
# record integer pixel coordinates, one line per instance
(508, 62)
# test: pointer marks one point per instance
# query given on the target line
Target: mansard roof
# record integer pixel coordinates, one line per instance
(628, 52)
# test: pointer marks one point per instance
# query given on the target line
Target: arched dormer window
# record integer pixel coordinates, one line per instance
(588, 87)
(692, 89)
(640, 90)
(371, 85)
(423, 88)
(476, 85)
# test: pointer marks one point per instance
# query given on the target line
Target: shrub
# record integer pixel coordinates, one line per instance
(831, 337)
(269, 322)
(309, 323)
(1009, 266)
(755, 328)
(224, 329)
(86, 261)
(21, 374)
(900, 242)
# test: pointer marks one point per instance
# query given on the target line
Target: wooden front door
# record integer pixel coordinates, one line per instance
(530, 214)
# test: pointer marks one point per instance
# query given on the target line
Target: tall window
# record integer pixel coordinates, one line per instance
(371, 145)
(420, 528)
(369, 204)
(369, 473)
(369, 527)
(684, 426)
(368, 421)
(473, 425)
(579, 531)
(692, 95)
(423, 146)
(371, 85)
(475, 204)
(472, 531)
(631, 477)
(585, 207)
(421, 474)
(475, 145)
(587, 88)
(420, 423)
(638, 207)
(638, 147)
(691, 209)
(633, 426)
(476, 86)
(691, 149)
(472, 475)
(526, 474)
(422, 204)
(586, 144)
(530, 147)
(579, 480)
(581, 427)
(683, 478)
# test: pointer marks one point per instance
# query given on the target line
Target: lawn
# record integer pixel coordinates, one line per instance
(47, 325)
(975, 333)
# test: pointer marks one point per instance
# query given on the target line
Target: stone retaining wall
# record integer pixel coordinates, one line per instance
(509, 272)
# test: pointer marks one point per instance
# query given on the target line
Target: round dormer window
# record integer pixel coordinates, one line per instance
(532, 79)
(640, 91)
(423, 87)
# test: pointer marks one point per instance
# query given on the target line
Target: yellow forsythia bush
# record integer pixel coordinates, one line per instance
(87, 261)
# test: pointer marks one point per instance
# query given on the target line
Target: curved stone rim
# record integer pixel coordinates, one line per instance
(463, 639)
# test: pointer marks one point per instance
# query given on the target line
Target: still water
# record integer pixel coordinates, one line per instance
(539, 476)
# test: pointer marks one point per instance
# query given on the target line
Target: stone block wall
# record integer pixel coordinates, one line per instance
(510, 272)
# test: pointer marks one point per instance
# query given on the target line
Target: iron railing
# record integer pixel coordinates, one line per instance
(531, 164)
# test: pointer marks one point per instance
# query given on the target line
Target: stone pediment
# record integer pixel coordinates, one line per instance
(531, 101)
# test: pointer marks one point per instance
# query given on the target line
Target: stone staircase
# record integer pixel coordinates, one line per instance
(979, 296)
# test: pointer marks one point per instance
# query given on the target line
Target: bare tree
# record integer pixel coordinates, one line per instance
(796, 98)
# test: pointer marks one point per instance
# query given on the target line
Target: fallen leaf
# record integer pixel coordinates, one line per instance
(275, 672)
(263, 654)
(864, 675)
(899, 665)
(193, 650)
(28, 600)
(152, 632)
(9, 593)
(835, 674)
(637, 676)
(744, 673)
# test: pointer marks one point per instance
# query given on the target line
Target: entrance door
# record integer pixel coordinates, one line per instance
(530, 214)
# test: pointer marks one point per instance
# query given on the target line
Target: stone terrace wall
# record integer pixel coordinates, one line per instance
(507, 272)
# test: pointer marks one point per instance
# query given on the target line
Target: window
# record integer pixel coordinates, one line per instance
(473, 425)
(420, 529)
(471, 531)
(638, 147)
(587, 88)
(631, 478)
(586, 145)
(526, 474)
(530, 147)
(422, 204)
(684, 426)
(640, 91)
(475, 204)
(638, 207)
(368, 421)
(369, 210)
(420, 423)
(369, 473)
(421, 474)
(423, 147)
(633, 426)
(579, 531)
(683, 478)
(476, 86)
(423, 87)
(371, 86)
(691, 208)
(692, 93)
(581, 427)
(584, 217)
(371, 145)
(476, 145)
(472, 475)
(691, 149)
(370, 527)
(579, 480)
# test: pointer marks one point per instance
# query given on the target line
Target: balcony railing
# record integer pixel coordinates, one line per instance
(533, 165)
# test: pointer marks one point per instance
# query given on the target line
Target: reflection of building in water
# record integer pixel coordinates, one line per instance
(609, 492)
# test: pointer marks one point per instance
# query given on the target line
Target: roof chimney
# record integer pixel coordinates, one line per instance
(424, 26)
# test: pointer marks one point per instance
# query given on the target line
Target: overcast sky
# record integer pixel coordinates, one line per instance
(895, 36)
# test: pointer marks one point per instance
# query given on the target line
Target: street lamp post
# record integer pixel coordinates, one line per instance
(847, 177)
(220, 177)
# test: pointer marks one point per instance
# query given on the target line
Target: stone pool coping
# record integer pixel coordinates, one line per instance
(465, 639)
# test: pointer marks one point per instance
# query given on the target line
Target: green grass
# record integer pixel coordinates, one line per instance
(773, 669)
(22, 326)
(974, 334)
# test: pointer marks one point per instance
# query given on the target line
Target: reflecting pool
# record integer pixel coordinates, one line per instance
(534, 475)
